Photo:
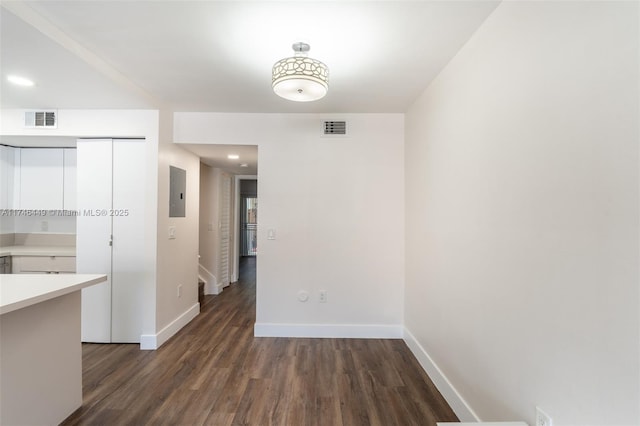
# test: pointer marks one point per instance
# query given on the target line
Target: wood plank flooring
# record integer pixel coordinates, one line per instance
(214, 372)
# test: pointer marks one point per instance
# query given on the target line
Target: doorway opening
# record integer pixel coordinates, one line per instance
(223, 168)
(247, 220)
(248, 225)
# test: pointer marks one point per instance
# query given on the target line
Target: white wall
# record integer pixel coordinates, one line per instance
(336, 205)
(54, 224)
(177, 259)
(522, 215)
(7, 225)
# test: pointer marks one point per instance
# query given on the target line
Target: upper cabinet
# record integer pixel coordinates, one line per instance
(9, 157)
(38, 178)
(70, 188)
(41, 178)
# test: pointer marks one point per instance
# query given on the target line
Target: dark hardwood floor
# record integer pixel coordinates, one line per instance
(214, 372)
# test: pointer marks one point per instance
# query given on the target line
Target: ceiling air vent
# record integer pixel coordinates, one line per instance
(41, 119)
(335, 127)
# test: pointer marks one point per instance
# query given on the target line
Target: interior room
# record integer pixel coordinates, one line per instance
(454, 179)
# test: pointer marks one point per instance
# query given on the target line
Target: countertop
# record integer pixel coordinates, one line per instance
(38, 251)
(22, 290)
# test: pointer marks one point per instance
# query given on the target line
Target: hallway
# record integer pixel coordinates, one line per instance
(214, 372)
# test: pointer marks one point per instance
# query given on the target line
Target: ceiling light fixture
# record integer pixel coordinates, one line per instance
(20, 81)
(300, 78)
(233, 156)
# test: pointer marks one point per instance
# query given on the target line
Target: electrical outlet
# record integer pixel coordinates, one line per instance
(323, 296)
(179, 290)
(542, 418)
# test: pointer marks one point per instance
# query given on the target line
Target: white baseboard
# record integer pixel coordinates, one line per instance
(459, 406)
(154, 341)
(481, 424)
(353, 331)
(211, 285)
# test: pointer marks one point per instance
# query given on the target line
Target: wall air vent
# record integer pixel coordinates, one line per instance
(41, 119)
(335, 127)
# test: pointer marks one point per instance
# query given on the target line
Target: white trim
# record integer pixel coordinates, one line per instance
(154, 341)
(210, 282)
(355, 331)
(459, 406)
(148, 342)
(481, 424)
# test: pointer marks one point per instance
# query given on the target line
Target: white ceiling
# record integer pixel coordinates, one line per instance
(217, 156)
(217, 55)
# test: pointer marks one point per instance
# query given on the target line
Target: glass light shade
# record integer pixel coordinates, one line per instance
(300, 79)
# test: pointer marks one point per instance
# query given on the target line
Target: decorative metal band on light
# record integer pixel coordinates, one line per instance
(300, 78)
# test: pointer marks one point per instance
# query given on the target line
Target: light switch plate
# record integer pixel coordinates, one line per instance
(172, 232)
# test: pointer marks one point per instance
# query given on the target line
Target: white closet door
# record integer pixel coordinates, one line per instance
(128, 240)
(225, 228)
(94, 201)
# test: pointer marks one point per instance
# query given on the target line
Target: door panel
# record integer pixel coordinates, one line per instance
(94, 234)
(128, 243)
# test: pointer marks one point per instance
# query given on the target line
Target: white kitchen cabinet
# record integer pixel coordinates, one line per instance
(69, 182)
(41, 178)
(9, 157)
(43, 264)
(110, 237)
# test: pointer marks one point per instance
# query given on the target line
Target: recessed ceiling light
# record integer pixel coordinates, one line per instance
(20, 81)
(244, 165)
(233, 156)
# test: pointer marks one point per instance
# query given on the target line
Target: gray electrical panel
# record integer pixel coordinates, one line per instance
(177, 191)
